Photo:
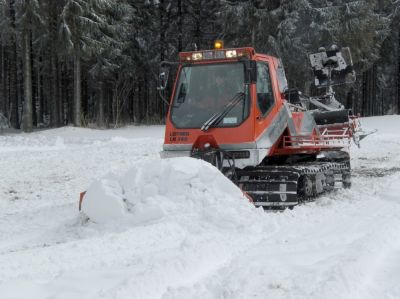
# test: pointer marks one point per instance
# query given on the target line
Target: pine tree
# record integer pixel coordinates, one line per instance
(80, 20)
(28, 17)
(9, 32)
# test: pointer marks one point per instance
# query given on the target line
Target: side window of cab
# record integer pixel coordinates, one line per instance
(265, 96)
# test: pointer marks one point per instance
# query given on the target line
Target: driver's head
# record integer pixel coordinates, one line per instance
(220, 78)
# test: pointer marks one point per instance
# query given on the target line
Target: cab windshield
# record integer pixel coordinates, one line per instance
(204, 90)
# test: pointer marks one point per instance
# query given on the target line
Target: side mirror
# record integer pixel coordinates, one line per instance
(163, 78)
(250, 71)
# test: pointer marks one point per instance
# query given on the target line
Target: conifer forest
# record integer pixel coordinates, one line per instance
(96, 62)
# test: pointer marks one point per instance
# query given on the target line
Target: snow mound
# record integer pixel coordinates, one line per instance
(157, 189)
(178, 220)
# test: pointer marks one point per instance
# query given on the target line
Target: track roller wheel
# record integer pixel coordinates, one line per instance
(330, 181)
(306, 188)
(346, 180)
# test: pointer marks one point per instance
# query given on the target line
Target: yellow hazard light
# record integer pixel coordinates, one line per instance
(197, 56)
(218, 44)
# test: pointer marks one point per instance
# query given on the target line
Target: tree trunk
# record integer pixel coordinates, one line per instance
(55, 102)
(33, 81)
(3, 88)
(373, 97)
(77, 90)
(69, 90)
(364, 93)
(60, 94)
(27, 114)
(253, 31)
(197, 29)
(100, 117)
(180, 26)
(39, 95)
(398, 72)
(162, 30)
(14, 115)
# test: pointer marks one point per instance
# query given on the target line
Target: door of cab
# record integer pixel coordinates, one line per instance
(271, 115)
(265, 99)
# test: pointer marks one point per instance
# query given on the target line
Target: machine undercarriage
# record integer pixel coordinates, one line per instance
(286, 186)
(286, 182)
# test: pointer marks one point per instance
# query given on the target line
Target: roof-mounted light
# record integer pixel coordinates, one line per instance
(218, 44)
(197, 56)
(208, 54)
(217, 54)
(231, 54)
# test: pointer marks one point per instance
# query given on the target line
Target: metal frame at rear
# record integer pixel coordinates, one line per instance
(330, 138)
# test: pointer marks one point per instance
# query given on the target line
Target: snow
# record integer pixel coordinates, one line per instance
(158, 189)
(179, 229)
(104, 201)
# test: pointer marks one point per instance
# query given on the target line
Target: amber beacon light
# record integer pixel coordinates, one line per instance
(218, 44)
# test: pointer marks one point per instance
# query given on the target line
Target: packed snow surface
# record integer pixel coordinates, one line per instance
(179, 229)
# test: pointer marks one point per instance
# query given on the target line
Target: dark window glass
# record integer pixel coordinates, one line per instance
(204, 90)
(265, 96)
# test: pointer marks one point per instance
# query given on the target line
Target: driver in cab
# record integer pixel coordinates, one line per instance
(212, 96)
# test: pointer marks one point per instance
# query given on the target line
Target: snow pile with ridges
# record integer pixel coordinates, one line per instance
(157, 189)
(193, 217)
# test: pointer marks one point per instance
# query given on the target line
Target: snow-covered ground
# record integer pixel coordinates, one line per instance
(183, 230)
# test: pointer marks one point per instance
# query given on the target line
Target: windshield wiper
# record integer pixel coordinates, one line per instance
(216, 118)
